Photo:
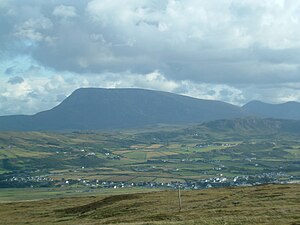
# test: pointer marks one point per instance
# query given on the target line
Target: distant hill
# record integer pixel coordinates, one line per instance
(102, 109)
(96, 108)
(254, 125)
(288, 110)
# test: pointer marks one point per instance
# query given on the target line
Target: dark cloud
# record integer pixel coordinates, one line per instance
(216, 45)
(234, 50)
(9, 70)
(32, 94)
(15, 80)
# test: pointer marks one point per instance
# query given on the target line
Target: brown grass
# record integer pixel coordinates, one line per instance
(259, 205)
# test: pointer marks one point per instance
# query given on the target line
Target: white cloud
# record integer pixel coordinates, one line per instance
(64, 11)
(273, 93)
(232, 23)
(212, 91)
(32, 29)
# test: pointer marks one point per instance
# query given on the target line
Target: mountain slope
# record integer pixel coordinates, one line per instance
(95, 108)
(250, 125)
(288, 110)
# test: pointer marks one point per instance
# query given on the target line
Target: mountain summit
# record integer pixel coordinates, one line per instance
(97, 108)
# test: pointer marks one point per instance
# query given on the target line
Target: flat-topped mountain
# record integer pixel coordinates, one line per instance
(97, 108)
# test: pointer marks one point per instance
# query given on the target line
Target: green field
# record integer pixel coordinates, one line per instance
(154, 154)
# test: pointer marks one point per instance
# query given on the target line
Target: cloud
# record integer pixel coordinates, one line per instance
(64, 11)
(16, 80)
(9, 70)
(32, 29)
(227, 50)
(213, 92)
(221, 42)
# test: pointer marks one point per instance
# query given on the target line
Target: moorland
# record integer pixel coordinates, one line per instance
(263, 204)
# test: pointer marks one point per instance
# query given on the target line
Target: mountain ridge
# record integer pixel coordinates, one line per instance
(255, 125)
(101, 109)
(98, 108)
(287, 110)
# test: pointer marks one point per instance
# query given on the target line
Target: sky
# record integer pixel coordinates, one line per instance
(230, 50)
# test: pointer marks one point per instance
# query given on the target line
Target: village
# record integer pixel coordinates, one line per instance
(23, 180)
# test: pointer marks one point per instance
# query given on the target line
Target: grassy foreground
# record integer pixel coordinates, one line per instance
(267, 204)
(35, 194)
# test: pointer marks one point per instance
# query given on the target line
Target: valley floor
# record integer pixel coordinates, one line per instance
(259, 205)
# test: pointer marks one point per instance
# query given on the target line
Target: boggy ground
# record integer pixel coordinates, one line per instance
(259, 205)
